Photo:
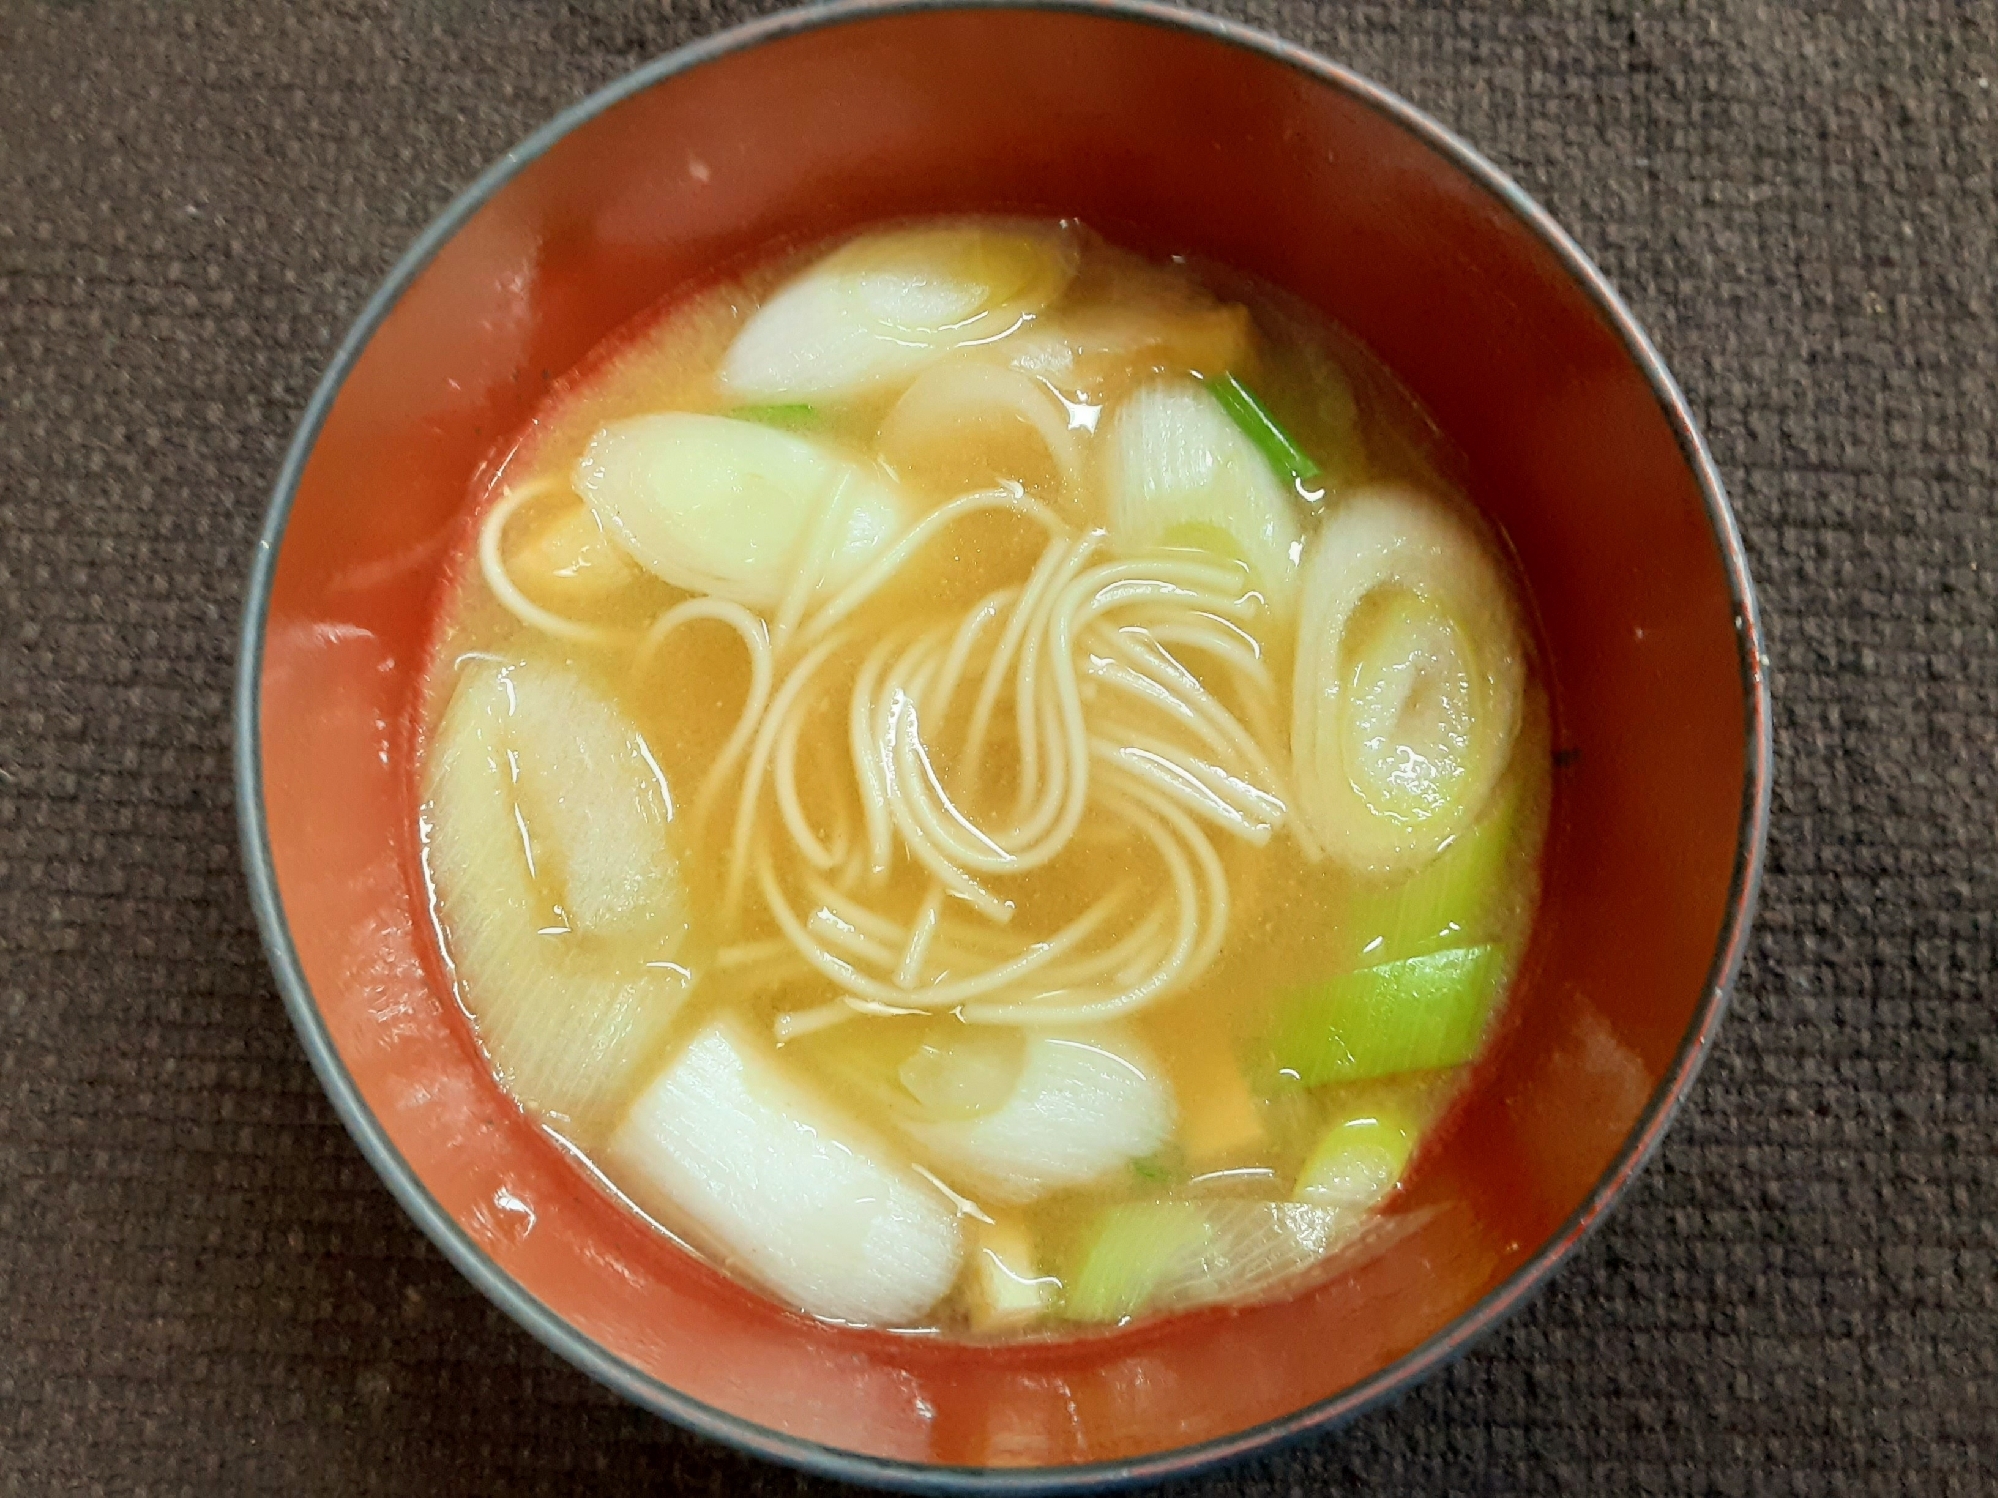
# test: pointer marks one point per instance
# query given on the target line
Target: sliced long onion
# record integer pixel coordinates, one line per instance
(1180, 473)
(1171, 1255)
(1453, 900)
(1418, 1014)
(546, 824)
(1149, 321)
(1360, 1157)
(1410, 670)
(881, 307)
(969, 425)
(727, 1144)
(737, 509)
(1085, 1104)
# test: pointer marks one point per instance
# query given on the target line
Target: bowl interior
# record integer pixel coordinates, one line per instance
(1171, 138)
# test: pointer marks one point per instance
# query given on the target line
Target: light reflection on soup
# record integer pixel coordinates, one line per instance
(986, 783)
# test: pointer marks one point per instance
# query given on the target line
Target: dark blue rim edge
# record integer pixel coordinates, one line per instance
(743, 1435)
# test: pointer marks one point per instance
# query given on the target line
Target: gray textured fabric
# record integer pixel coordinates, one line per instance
(202, 1287)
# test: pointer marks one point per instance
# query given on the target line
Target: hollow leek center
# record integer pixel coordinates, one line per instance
(1408, 728)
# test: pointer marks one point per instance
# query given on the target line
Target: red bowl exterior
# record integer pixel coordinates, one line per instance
(1174, 133)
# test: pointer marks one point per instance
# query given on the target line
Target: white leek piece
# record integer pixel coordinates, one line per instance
(1182, 474)
(1086, 1102)
(593, 805)
(871, 314)
(549, 846)
(1142, 319)
(967, 424)
(1190, 333)
(736, 509)
(1410, 672)
(963, 1071)
(1095, 350)
(727, 1144)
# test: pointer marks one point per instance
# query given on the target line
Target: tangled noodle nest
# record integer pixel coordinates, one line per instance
(980, 747)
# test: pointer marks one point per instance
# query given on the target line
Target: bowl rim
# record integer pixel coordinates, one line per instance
(746, 1436)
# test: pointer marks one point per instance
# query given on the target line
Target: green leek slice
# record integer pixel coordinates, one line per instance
(1418, 1014)
(1359, 1159)
(1149, 1256)
(1135, 1248)
(1262, 428)
(789, 415)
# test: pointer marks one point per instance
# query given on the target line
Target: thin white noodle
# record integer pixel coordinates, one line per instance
(790, 805)
(810, 569)
(759, 757)
(944, 995)
(1148, 690)
(920, 936)
(1037, 707)
(1046, 1009)
(941, 689)
(756, 640)
(867, 751)
(905, 777)
(957, 943)
(1197, 939)
(840, 843)
(885, 566)
(795, 1023)
(966, 1207)
(1235, 647)
(1187, 789)
(751, 953)
(1221, 638)
(1260, 804)
(837, 933)
(860, 917)
(1138, 649)
(1027, 605)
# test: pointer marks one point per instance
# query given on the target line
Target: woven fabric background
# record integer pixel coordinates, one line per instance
(203, 1289)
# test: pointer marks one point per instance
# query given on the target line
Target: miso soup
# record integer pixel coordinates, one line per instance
(985, 782)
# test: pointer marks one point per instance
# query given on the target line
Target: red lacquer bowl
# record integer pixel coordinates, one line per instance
(1170, 132)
